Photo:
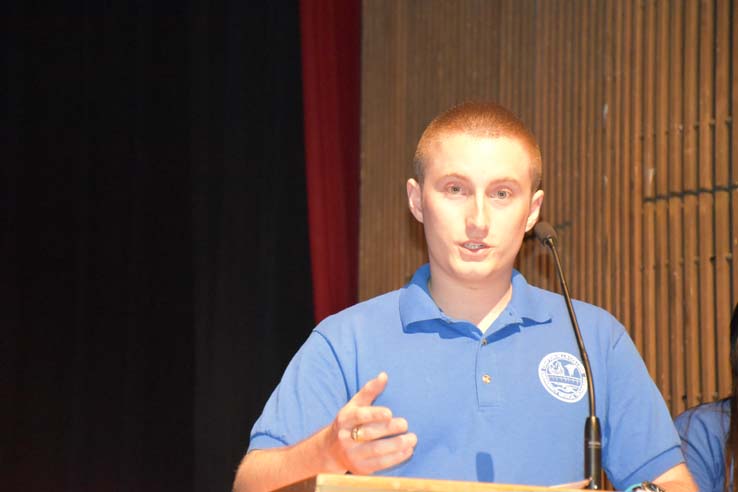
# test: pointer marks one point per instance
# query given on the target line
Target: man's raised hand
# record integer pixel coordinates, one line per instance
(364, 438)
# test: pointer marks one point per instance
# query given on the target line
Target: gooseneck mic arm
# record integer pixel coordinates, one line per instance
(592, 435)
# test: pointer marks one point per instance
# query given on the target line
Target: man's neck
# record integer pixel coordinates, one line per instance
(479, 304)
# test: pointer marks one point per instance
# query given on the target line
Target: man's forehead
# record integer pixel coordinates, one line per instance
(461, 142)
(463, 150)
(473, 135)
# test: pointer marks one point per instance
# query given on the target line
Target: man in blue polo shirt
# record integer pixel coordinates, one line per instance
(467, 372)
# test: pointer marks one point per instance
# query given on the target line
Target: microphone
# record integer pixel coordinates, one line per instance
(592, 435)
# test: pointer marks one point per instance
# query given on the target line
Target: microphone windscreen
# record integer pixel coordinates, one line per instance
(545, 231)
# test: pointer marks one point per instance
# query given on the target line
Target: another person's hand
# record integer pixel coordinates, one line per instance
(364, 438)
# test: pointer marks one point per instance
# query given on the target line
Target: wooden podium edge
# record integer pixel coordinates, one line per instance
(327, 482)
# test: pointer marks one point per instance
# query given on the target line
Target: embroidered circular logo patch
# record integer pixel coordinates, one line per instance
(563, 376)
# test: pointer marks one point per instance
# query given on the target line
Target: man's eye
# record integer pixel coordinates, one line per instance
(501, 194)
(454, 189)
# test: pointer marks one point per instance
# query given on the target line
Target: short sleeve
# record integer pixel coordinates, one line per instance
(641, 441)
(312, 390)
(702, 436)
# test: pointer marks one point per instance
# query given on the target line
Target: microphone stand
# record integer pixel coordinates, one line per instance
(592, 434)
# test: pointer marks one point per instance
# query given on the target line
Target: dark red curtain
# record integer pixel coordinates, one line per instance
(330, 33)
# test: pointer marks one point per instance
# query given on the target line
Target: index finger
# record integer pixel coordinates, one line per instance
(370, 391)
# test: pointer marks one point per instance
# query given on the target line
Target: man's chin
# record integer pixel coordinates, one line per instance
(471, 274)
(478, 274)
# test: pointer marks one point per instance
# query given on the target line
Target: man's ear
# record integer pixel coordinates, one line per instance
(535, 209)
(415, 199)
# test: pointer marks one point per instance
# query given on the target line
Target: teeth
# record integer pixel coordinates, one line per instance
(474, 245)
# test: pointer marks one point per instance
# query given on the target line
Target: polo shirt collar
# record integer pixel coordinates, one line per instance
(524, 308)
(416, 303)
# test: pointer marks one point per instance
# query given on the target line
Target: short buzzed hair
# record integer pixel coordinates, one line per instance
(480, 119)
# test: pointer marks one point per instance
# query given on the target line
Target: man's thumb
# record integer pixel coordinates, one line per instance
(371, 390)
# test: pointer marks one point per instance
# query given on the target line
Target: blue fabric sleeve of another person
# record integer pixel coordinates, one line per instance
(703, 430)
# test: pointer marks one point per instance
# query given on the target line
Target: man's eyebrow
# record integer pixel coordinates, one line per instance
(454, 175)
(506, 180)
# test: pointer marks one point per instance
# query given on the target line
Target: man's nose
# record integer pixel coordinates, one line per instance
(478, 217)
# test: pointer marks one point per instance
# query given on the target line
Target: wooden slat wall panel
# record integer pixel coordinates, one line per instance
(633, 103)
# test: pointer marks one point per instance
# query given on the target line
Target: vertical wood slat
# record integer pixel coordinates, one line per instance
(675, 208)
(566, 58)
(569, 173)
(689, 152)
(548, 103)
(624, 161)
(722, 196)
(705, 203)
(733, 146)
(557, 122)
(533, 261)
(504, 27)
(636, 173)
(591, 103)
(581, 152)
(539, 121)
(649, 274)
(606, 180)
(595, 232)
(644, 194)
(547, 129)
(619, 192)
(661, 232)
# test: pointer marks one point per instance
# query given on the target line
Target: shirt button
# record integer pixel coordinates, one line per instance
(487, 379)
(484, 341)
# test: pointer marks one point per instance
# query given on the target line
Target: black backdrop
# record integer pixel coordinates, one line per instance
(155, 268)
